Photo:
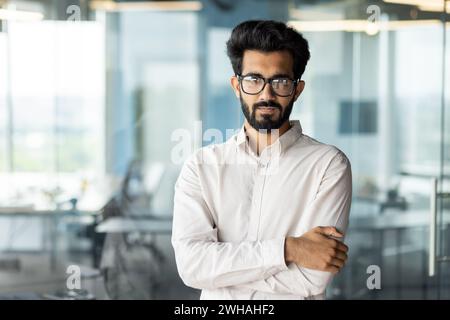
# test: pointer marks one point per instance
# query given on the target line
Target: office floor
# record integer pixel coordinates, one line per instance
(29, 275)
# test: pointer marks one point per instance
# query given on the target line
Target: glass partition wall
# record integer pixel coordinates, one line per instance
(377, 87)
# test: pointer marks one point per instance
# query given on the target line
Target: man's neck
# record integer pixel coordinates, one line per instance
(259, 140)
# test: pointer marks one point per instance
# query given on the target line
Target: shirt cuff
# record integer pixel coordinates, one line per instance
(273, 256)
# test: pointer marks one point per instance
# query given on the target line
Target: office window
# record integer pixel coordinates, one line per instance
(57, 103)
(3, 110)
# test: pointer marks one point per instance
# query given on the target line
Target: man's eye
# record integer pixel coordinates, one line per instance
(253, 79)
(282, 82)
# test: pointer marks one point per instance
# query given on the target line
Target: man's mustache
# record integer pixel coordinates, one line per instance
(269, 103)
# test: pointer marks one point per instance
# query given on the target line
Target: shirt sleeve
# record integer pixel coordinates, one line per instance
(331, 207)
(202, 261)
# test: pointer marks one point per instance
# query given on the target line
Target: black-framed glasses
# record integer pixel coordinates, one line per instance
(281, 86)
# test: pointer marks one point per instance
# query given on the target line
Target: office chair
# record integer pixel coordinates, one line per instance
(130, 262)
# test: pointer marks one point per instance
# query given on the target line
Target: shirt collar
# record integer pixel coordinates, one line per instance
(286, 140)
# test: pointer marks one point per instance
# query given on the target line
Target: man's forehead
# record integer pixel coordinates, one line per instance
(267, 63)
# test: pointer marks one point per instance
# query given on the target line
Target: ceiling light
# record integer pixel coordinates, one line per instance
(146, 6)
(8, 14)
(370, 28)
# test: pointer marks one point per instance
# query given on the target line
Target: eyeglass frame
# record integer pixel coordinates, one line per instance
(266, 81)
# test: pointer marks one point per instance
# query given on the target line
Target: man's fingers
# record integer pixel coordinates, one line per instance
(331, 252)
(337, 263)
(332, 269)
(341, 247)
(341, 255)
(338, 245)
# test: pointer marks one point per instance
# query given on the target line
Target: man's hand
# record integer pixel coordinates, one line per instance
(317, 250)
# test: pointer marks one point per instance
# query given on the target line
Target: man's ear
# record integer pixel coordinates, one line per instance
(299, 88)
(235, 85)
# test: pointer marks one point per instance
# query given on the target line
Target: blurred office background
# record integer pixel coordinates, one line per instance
(91, 93)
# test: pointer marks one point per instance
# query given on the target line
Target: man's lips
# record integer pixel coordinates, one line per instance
(267, 109)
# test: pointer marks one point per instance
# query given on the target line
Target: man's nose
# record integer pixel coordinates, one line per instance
(267, 93)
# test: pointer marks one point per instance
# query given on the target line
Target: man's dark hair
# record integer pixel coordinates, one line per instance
(267, 36)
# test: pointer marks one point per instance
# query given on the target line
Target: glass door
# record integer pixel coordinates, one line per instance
(439, 258)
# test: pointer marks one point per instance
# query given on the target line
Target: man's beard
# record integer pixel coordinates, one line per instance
(266, 123)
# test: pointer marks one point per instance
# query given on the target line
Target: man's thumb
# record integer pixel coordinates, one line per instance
(330, 232)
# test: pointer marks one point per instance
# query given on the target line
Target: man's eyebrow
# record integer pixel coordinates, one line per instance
(277, 75)
(253, 74)
(281, 75)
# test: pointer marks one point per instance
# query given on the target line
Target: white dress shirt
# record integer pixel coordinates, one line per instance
(233, 210)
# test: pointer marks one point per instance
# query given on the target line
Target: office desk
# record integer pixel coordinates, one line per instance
(125, 225)
(51, 219)
(393, 219)
(395, 225)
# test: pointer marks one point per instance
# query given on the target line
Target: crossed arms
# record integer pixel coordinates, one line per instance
(287, 265)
